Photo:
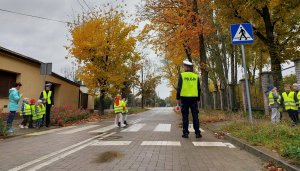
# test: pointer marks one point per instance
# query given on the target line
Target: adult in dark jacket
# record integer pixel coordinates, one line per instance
(48, 97)
(188, 95)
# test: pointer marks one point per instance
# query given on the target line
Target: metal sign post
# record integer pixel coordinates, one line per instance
(243, 34)
(247, 85)
(46, 69)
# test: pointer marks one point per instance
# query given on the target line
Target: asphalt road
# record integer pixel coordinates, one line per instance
(152, 141)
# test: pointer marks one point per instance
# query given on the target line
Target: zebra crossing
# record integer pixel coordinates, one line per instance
(134, 126)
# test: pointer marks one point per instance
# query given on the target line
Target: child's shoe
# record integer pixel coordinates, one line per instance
(26, 127)
(21, 126)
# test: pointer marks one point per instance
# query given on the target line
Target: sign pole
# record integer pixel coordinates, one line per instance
(247, 85)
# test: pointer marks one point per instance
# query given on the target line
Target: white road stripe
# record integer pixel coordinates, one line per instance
(135, 121)
(213, 144)
(61, 156)
(49, 131)
(79, 129)
(108, 143)
(191, 128)
(53, 154)
(134, 128)
(104, 129)
(163, 128)
(162, 143)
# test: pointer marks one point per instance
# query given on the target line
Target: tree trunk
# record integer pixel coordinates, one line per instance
(204, 72)
(101, 102)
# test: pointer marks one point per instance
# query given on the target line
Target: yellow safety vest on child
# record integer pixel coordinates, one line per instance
(289, 101)
(119, 108)
(33, 112)
(41, 111)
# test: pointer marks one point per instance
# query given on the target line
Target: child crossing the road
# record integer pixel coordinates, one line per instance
(125, 112)
(119, 107)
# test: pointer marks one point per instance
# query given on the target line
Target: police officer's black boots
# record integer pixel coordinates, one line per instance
(185, 136)
(198, 135)
(125, 123)
(119, 124)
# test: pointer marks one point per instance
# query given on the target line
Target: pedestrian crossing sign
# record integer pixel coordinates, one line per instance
(241, 33)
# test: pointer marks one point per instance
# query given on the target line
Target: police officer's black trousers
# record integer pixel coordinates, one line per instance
(185, 106)
(48, 110)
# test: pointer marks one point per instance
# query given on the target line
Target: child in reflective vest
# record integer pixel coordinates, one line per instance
(274, 103)
(125, 112)
(40, 112)
(33, 113)
(296, 88)
(289, 100)
(119, 107)
(25, 113)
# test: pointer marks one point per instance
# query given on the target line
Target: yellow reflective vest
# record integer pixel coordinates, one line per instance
(47, 96)
(298, 97)
(33, 112)
(41, 111)
(289, 101)
(119, 108)
(272, 100)
(189, 84)
(27, 109)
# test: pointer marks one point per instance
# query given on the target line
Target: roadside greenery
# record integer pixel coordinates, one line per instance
(282, 138)
(2, 124)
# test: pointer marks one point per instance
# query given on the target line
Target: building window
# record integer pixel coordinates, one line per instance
(7, 81)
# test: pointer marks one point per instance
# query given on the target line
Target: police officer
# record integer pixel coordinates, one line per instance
(47, 94)
(188, 95)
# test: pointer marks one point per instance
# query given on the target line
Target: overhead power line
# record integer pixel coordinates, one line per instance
(34, 16)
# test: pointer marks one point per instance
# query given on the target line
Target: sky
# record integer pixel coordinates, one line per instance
(45, 40)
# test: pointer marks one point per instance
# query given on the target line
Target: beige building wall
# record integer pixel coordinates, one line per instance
(33, 83)
(91, 102)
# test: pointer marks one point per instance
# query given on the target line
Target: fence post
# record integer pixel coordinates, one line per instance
(243, 84)
(266, 79)
(297, 68)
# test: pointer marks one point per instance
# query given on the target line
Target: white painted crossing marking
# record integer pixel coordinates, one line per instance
(108, 143)
(49, 131)
(104, 129)
(229, 145)
(110, 127)
(162, 143)
(163, 128)
(213, 144)
(79, 129)
(53, 154)
(61, 156)
(191, 128)
(134, 128)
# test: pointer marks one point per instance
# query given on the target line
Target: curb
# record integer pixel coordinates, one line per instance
(260, 153)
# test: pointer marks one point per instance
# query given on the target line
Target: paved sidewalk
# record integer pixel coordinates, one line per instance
(152, 142)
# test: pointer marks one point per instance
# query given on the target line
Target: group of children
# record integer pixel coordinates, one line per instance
(121, 111)
(33, 113)
(288, 100)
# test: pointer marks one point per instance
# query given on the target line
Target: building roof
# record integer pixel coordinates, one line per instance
(32, 60)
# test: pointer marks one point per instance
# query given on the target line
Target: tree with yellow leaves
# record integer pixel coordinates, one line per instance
(103, 45)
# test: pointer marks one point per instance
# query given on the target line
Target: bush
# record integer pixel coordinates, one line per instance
(67, 114)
